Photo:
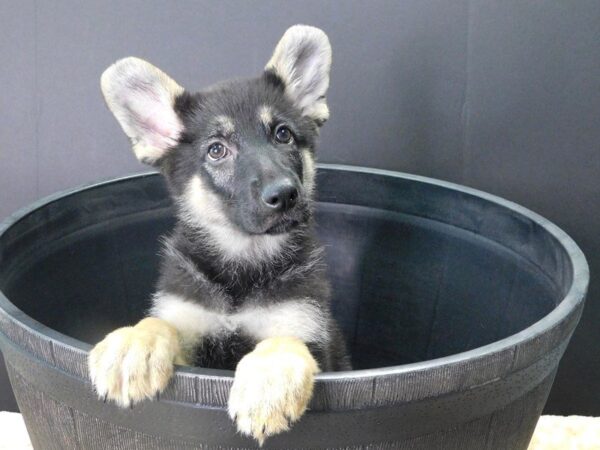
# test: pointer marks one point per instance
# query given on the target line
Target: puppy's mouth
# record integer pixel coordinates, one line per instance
(282, 226)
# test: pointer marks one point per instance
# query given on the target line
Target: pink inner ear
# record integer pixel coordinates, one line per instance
(156, 122)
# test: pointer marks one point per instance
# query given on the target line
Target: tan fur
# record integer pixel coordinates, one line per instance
(199, 206)
(566, 433)
(226, 124)
(265, 115)
(301, 318)
(309, 171)
(272, 387)
(135, 363)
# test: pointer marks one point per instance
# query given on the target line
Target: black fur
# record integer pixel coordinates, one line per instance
(192, 267)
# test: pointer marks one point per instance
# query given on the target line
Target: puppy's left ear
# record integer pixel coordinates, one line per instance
(302, 60)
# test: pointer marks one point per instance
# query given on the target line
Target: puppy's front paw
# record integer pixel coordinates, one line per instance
(272, 387)
(134, 363)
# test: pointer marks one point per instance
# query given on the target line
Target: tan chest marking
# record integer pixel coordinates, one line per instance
(300, 318)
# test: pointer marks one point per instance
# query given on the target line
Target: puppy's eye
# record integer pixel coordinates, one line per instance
(217, 151)
(283, 135)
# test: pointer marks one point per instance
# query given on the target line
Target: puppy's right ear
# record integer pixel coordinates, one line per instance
(142, 99)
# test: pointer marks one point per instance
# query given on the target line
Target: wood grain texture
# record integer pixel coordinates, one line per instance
(213, 390)
(182, 388)
(49, 423)
(71, 360)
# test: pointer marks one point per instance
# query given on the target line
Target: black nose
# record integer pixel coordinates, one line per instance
(280, 196)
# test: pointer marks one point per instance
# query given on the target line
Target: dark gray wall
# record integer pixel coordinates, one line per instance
(501, 96)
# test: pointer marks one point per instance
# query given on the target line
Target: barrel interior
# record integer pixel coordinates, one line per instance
(417, 271)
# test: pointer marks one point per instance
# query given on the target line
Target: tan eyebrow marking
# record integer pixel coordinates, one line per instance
(265, 115)
(225, 125)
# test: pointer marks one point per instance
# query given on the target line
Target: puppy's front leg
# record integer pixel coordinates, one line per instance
(135, 363)
(272, 387)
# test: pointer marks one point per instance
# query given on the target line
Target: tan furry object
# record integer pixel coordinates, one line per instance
(566, 433)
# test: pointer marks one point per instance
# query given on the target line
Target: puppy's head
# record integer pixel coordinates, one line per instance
(238, 156)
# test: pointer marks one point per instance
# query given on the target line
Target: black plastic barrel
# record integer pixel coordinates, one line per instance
(457, 307)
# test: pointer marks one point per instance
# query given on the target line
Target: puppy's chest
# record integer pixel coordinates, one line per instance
(223, 324)
(303, 318)
(222, 352)
(226, 338)
(292, 318)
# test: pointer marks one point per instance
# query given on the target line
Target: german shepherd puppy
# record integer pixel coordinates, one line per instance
(242, 283)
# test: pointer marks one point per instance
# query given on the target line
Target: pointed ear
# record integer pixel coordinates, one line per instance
(302, 60)
(142, 99)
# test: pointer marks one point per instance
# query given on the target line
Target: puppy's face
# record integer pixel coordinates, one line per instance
(238, 156)
(252, 148)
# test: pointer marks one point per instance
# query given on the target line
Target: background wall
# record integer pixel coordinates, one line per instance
(500, 96)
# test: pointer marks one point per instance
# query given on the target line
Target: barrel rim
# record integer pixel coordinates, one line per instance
(571, 301)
